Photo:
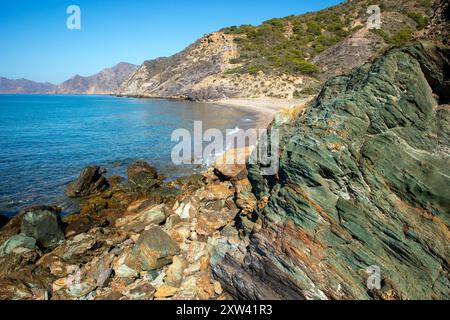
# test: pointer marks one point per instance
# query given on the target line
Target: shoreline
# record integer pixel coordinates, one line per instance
(262, 112)
(266, 108)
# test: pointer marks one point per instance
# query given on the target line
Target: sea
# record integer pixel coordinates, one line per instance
(46, 140)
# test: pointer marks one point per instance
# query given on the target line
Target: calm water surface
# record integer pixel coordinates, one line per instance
(46, 140)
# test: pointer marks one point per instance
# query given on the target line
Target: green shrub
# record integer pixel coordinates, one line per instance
(421, 20)
(266, 48)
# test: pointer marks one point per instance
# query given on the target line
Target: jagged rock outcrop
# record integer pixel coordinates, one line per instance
(106, 81)
(439, 27)
(353, 52)
(44, 225)
(24, 86)
(363, 181)
(199, 72)
(91, 181)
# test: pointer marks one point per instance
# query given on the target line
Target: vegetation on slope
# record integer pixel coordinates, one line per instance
(286, 45)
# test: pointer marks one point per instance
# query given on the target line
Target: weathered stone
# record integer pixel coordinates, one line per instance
(165, 292)
(44, 225)
(196, 181)
(13, 262)
(245, 198)
(81, 224)
(165, 194)
(109, 296)
(16, 243)
(91, 181)
(174, 273)
(14, 290)
(172, 221)
(56, 265)
(124, 271)
(181, 232)
(210, 221)
(216, 191)
(155, 249)
(11, 228)
(141, 290)
(154, 215)
(187, 208)
(82, 248)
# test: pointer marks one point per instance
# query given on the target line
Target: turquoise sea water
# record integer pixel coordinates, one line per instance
(46, 140)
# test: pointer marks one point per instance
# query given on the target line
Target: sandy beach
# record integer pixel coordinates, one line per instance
(266, 108)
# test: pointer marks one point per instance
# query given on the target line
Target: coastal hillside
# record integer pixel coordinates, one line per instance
(24, 86)
(282, 58)
(106, 81)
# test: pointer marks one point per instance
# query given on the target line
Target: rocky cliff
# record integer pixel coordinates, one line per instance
(106, 81)
(200, 73)
(363, 181)
(24, 86)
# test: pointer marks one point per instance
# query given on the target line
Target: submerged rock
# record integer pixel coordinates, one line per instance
(44, 225)
(91, 181)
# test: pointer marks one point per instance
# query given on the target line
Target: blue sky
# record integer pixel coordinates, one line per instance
(36, 44)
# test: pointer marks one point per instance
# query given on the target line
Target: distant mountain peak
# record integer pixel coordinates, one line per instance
(107, 81)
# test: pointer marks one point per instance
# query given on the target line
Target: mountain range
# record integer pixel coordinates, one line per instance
(106, 81)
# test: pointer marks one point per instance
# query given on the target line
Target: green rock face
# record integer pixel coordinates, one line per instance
(17, 242)
(44, 226)
(363, 182)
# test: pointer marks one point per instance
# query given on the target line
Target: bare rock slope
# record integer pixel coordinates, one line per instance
(24, 86)
(362, 182)
(106, 81)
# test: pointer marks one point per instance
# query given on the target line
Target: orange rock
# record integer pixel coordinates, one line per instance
(166, 291)
(217, 191)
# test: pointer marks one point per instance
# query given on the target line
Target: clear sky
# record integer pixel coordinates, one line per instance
(36, 44)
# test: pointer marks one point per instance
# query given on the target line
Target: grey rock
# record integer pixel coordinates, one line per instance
(16, 242)
(44, 225)
(91, 181)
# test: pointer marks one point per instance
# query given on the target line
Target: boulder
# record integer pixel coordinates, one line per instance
(142, 174)
(80, 224)
(165, 291)
(91, 181)
(141, 290)
(216, 191)
(138, 222)
(14, 290)
(17, 242)
(155, 249)
(44, 225)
